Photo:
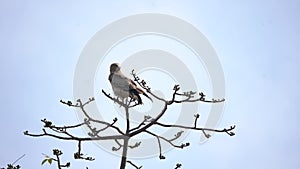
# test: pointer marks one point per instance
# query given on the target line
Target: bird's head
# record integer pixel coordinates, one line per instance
(115, 67)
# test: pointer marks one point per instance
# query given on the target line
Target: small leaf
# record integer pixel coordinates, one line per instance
(43, 162)
(50, 160)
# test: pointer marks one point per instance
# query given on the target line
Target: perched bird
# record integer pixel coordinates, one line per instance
(124, 87)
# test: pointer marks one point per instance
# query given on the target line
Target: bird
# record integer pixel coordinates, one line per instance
(124, 87)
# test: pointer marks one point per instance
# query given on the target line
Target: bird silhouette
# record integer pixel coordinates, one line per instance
(124, 87)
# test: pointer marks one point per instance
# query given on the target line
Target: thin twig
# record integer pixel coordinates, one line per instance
(133, 133)
(196, 118)
(159, 144)
(116, 100)
(18, 159)
(112, 137)
(79, 155)
(139, 126)
(147, 88)
(169, 141)
(225, 130)
(135, 166)
(117, 148)
(137, 144)
(81, 105)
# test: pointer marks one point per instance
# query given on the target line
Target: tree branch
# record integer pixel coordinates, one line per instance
(146, 119)
(58, 153)
(137, 144)
(225, 130)
(159, 144)
(94, 132)
(75, 138)
(79, 155)
(143, 85)
(116, 100)
(81, 105)
(151, 123)
(170, 140)
(177, 97)
(124, 154)
(117, 148)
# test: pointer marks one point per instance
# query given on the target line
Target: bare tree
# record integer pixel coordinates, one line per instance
(122, 137)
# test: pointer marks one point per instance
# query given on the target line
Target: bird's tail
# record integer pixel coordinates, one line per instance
(136, 95)
(139, 99)
(140, 91)
(147, 96)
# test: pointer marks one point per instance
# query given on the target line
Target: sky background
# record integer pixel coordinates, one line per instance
(257, 43)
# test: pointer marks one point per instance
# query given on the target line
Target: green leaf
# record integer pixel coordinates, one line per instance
(43, 162)
(50, 160)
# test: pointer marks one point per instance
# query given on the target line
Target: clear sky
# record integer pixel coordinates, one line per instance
(257, 43)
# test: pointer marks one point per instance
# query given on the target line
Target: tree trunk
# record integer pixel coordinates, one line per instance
(124, 154)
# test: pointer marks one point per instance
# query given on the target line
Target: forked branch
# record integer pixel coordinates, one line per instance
(121, 138)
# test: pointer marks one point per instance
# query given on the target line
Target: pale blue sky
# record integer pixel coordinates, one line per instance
(257, 43)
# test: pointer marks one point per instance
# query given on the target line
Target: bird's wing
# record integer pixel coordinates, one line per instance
(119, 81)
(139, 90)
(132, 82)
(121, 84)
(133, 85)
